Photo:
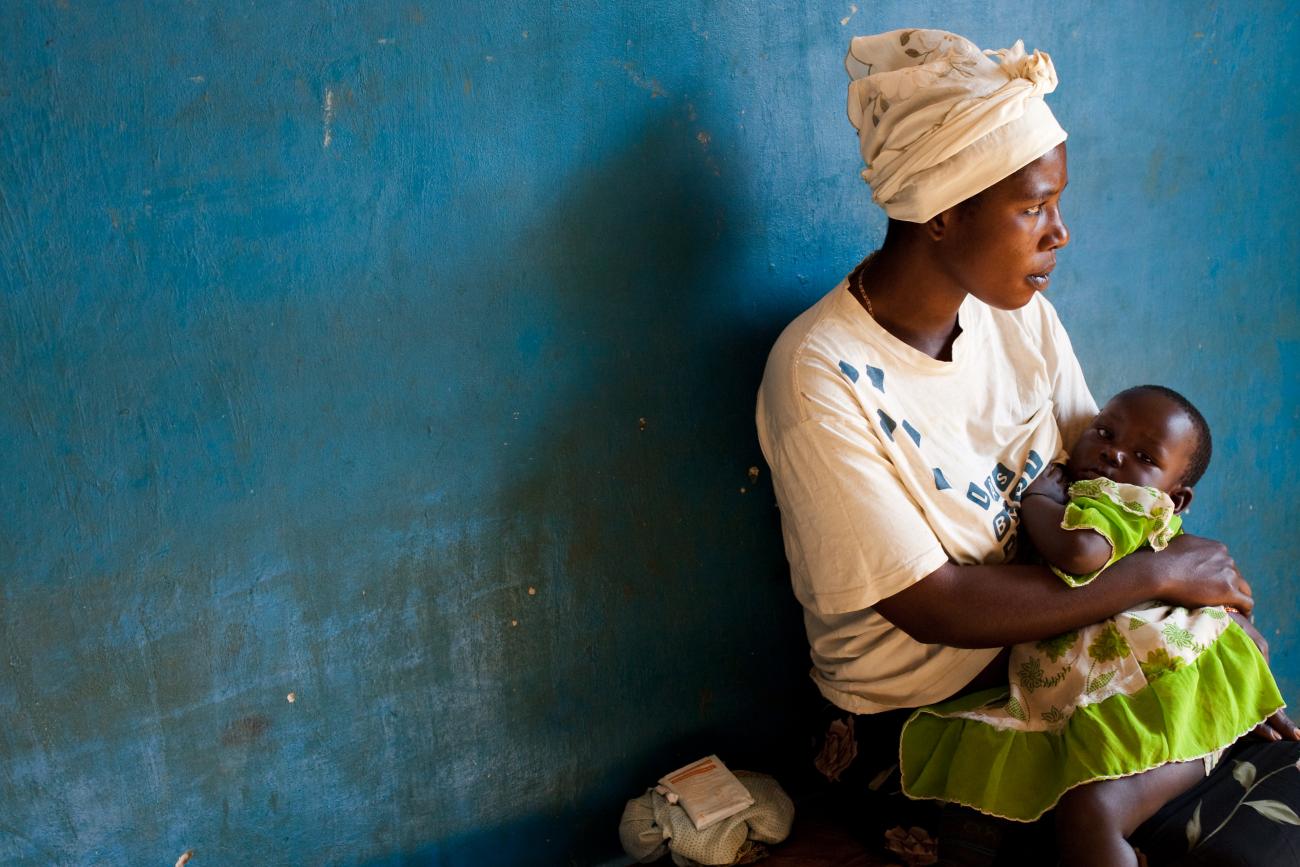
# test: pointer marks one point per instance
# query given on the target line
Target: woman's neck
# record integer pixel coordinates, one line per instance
(912, 299)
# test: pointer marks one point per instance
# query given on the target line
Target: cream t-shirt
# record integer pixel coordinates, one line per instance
(888, 463)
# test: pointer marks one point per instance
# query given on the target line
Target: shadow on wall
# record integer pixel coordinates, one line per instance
(648, 608)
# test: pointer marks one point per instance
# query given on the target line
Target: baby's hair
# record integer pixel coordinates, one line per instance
(1200, 458)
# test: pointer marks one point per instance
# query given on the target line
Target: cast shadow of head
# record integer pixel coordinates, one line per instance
(660, 626)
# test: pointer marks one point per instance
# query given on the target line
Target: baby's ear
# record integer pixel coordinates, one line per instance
(1182, 497)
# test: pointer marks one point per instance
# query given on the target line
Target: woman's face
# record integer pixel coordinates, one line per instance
(1001, 245)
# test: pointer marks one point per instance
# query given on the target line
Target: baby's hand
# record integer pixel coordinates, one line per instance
(1051, 483)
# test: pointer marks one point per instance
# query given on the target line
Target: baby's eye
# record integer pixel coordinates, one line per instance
(1144, 457)
(1103, 432)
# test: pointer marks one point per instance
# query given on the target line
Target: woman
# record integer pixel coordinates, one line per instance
(904, 414)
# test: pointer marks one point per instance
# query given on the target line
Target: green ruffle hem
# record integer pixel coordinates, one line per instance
(1182, 715)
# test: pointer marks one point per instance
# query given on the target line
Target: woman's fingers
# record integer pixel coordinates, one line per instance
(1264, 731)
(1278, 727)
(1283, 725)
(1246, 602)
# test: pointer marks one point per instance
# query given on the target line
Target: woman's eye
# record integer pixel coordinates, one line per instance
(1035, 210)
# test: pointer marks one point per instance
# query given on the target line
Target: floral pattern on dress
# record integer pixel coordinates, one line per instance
(1052, 678)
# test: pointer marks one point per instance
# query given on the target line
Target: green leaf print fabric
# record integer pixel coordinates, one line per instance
(1153, 685)
(976, 750)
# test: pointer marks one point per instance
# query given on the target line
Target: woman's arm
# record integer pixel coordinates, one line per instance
(996, 606)
(1078, 552)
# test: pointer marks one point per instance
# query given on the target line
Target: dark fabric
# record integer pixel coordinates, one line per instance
(869, 801)
(1244, 810)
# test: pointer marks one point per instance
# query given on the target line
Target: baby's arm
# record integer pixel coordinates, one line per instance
(1042, 507)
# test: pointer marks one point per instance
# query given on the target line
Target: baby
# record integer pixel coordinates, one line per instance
(1102, 722)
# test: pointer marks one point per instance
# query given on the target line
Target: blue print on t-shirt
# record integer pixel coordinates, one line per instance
(940, 483)
(887, 424)
(912, 432)
(849, 370)
(877, 377)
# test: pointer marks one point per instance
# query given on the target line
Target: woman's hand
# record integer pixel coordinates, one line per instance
(1279, 726)
(1196, 572)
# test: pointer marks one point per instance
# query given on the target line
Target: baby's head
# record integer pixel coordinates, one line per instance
(1146, 435)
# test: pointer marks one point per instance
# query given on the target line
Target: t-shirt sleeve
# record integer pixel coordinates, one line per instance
(853, 534)
(1074, 406)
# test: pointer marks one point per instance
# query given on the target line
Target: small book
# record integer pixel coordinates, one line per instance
(707, 791)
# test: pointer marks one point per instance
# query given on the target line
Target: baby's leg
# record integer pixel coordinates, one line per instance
(1093, 820)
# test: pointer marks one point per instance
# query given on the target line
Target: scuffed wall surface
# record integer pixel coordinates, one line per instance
(402, 359)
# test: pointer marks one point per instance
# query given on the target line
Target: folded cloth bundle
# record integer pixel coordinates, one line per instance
(651, 826)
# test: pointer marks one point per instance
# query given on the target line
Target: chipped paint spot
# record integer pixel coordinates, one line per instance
(514, 622)
(853, 10)
(291, 697)
(532, 591)
(753, 475)
(198, 79)
(185, 858)
(385, 40)
(642, 424)
(654, 88)
(328, 118)
(703, 138)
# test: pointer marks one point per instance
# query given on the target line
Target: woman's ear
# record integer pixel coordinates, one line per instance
(1182, 497)
(937, 226)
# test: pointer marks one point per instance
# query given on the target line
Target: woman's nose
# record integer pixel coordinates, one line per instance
(1058, 235)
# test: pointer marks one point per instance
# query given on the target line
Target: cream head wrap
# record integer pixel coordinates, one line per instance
(940, 121)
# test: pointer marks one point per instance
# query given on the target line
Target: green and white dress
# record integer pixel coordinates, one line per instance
(1154, 685)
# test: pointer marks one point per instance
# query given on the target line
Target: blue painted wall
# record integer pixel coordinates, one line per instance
(401, 359)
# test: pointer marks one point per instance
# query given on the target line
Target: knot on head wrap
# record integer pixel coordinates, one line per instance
(939, 120)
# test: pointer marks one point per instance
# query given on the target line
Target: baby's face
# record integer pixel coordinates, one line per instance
(1143, 438)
